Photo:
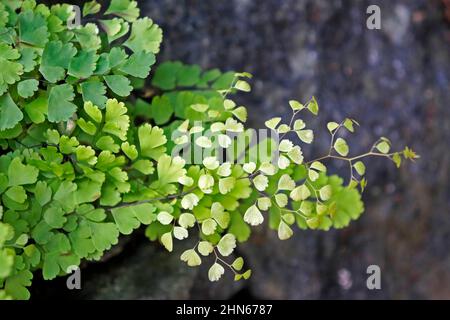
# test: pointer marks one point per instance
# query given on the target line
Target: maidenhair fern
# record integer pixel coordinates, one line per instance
(85, 159)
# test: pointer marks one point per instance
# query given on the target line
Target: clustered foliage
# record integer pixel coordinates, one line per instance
(85, 161)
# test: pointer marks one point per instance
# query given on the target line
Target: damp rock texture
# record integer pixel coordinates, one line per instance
(395, 81)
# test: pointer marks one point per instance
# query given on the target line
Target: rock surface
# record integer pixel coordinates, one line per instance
(395, 81)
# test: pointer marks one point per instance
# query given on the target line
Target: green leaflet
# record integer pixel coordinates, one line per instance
(15, 285)
(20, 174)
(151, 141)
(239, 228)
(119, 84)
(82, 66)
(170, 75)
(138, 64)
(116, 120)
(130, 217)
(93, 234)
(38, 108)
(87, 37)
(348, 203)
(10, 114)
(27, 88)
(161, 110)
(115, 28)
(55, 60)
(124, 8)
(57, 258)
(145, 36)
(33, 28)
(11, 69)
(91, 7)
(170, 170)
(60, 106)
(43, 193)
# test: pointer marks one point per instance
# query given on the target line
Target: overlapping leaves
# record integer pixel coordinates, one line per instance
(75, 57)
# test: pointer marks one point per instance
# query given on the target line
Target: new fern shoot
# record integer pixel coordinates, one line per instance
(88, 144)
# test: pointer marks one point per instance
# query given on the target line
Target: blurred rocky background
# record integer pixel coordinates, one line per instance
(395, 81)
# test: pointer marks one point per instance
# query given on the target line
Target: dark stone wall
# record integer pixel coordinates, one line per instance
(395, 81)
